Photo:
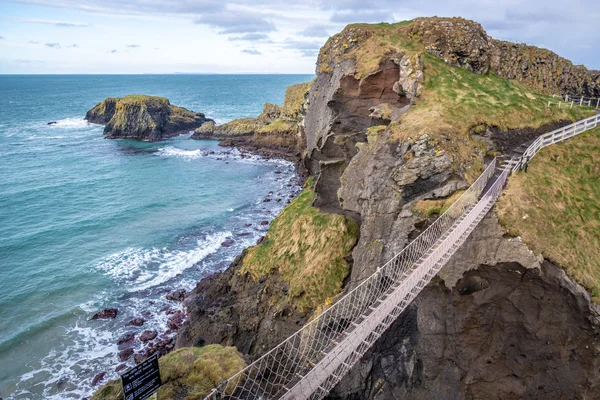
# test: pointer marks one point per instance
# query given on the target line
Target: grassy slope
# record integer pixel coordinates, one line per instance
(308, 249)
(189, 373)
(555, 207)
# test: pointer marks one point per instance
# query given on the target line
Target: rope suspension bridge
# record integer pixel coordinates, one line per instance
(308, 364)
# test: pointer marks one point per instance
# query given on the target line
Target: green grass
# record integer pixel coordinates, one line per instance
(555, 207)
(437, 207)
(308, 249)
(278, 126)
(187, 373)
(142, 98)
(455, 100)
(292, 103)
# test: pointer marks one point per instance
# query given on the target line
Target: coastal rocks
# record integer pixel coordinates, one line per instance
(107, 313)
(143, 117)
(127, 338)
(175, 321)
(277, 131)
(176, 295)
(98, 378)
(125, 354)
(148, 335)
(137, 321)
(465, 44)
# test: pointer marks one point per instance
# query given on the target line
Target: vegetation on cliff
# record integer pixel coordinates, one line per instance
(454, 101)
(555, 207)
(187, 373)
(452, 98)
(143, 117)
(309, 250)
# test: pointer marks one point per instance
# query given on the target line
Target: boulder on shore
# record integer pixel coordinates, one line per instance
(143, 117)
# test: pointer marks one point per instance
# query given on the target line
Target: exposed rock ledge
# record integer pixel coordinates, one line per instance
(277, 131)
(143, 117)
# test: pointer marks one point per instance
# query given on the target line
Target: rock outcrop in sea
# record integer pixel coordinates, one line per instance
(143, 117)
(275, 132)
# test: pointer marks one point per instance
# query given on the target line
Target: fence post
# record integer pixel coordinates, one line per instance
(598, 104)
(581, 101)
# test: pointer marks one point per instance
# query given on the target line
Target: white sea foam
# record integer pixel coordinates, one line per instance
(176, 262)
(71, 123)
(146, 268)
(171, 151)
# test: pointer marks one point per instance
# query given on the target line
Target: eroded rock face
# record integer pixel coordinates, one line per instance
(382, 183)
(143, 117)
(465, 44)
(234, 310)
(506, 330)
(342, 108)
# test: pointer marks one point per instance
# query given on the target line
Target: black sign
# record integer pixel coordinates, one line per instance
(142, 380)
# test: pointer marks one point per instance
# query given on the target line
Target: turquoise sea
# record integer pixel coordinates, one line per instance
(88, 223)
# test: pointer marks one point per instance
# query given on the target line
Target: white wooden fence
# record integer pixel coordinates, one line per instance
(559, 135)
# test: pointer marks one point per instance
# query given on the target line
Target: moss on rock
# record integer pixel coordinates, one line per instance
(187, 373)
(309, 250)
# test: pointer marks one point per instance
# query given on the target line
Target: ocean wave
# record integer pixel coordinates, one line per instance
(146, 268)
(171, 151)
(71, 123)
(233, 154)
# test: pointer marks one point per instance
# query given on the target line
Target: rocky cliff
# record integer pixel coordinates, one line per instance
(276, 131)
(143, 117)
(464, 43)
(399, 120)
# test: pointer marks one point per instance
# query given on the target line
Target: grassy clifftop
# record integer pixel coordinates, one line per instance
(555, 207)
(457, 94)
(308, 249)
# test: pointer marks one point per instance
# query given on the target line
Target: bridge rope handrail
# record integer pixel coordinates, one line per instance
(310, 362)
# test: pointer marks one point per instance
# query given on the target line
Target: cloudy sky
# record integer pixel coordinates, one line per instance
(253, 36)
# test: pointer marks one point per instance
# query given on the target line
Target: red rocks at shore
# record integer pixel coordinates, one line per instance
(176, 295)
(148, 335)
(107, 313)
(126, 338)
(126, 354)
(176, 320)
(98, 378)
(137, 322)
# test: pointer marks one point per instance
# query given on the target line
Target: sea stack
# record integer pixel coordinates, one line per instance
(143, 117)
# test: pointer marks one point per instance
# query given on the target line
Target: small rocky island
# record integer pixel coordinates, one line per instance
(143, 117)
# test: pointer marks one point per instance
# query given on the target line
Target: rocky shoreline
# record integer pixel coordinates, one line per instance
(136, 346)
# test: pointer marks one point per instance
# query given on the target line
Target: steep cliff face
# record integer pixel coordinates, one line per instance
(464, 43)
(486, 330)
(143, 117)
